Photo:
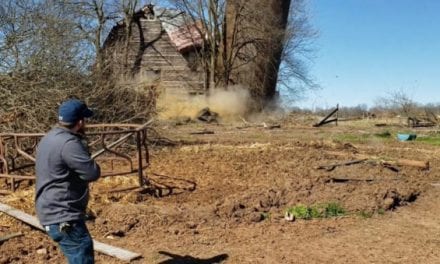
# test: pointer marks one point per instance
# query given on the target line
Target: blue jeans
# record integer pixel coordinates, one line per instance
(75, 242)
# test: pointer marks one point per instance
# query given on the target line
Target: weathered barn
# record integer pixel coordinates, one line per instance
(161, 45)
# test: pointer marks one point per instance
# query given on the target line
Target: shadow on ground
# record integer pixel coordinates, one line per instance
(177, 259)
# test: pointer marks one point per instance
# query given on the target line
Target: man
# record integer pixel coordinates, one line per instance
(64, 168)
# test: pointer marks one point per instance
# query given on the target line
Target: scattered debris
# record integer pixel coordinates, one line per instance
(326, 119)
(98, 246)
(271, 126)
(206, 115)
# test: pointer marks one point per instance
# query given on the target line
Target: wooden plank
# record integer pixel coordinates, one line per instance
(9, 236)
(116, 252)
(20, 215)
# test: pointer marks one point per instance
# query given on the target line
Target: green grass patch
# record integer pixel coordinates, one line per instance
(433, 139)
(384, 134)
(364, 138)
(299, 211)
(333, 210)
(325, 210)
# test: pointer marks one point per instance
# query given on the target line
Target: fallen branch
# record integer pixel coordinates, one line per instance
(9, 236)
(344, 180)
(204, 132)
(116, 252)
(333, 166)
(326, 119)
(397, 162)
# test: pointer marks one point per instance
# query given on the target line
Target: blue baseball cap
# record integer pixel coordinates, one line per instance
(73, 110)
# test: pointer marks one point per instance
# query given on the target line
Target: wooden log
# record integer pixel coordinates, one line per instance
(407, 162)
(116, 252)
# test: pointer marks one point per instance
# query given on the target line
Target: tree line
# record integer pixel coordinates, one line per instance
(53, 49)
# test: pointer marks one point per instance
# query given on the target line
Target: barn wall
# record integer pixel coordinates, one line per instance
(151, 54)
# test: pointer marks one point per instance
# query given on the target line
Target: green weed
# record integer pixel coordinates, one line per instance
(333, 210)
(325, 210)
(299, 212)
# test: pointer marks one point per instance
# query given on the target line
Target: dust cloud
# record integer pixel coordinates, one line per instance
(230, 104)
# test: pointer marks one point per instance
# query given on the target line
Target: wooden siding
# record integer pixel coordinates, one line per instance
(151, 52)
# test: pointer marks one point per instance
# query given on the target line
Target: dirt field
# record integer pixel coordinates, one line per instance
(235, 185)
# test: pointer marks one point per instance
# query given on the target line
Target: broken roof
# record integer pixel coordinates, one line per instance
(183, 31)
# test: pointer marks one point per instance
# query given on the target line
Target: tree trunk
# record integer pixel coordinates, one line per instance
(261, 43)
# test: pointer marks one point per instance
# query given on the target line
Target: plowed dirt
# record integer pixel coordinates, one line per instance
(232, 188)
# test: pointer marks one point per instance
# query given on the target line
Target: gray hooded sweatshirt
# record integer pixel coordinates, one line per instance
(64, 168)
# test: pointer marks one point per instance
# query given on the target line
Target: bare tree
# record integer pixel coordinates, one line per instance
(298, 50)
(47, 52)
(247, 41)
(42, 61)
(400, 101)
